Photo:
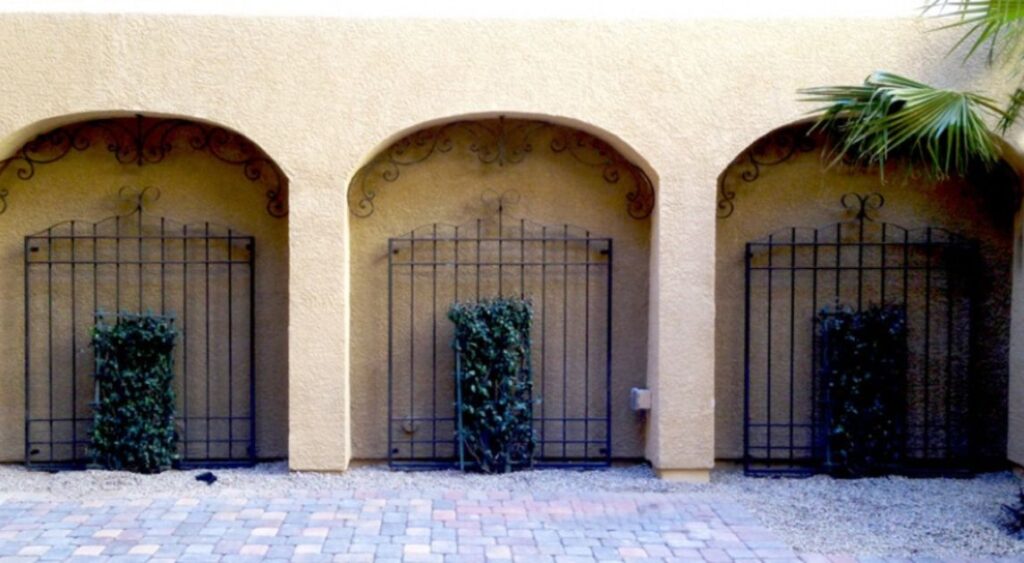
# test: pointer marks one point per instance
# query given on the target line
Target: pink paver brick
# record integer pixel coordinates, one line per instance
(416, 549)
(89, 550)
(144, 549)
(254, 550)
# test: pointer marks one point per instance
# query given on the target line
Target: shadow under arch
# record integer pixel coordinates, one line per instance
(781, 187)
(220, 192)
(443, 181)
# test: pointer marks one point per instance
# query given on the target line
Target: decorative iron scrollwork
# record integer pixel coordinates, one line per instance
(502, 142)
(770, 150)
(138, 196)
(862, 204)
(144, 140)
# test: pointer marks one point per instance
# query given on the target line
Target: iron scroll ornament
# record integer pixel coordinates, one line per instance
(500, 142)
(144, 140)
(772, 149)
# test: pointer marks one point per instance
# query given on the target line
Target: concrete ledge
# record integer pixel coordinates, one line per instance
(684, 475)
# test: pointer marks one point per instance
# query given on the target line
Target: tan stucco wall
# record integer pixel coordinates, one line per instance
(320, 96)
(194, 188)
(804, 191)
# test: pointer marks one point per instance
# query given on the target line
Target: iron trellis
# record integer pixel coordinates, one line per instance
(565, 271)
(201, 275)
(794, 275)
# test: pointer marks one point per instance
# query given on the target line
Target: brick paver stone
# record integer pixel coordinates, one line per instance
(404, 525)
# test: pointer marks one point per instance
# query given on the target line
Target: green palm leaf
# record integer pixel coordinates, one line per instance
(890, 115)
(997, 23)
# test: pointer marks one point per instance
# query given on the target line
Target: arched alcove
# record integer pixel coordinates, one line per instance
(129, 213)
(782, 195)
(540, 196)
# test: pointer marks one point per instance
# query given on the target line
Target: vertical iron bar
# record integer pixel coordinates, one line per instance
(747, 457)
(817, 447)
(543, 337)
(565, 336)
(28, 354)
(206, 334)
(117, 267)
(49, 329)
(458, 408)
(885, 243)
(586, 351)
(163, 266)
(231, 355)
(608, 360)
(412, 342)
(949, 351)
(927, 340)
(768, 353)
(74, 346)
(252, 349)
(184, 342)
(95, 286)
(458, 366)
(501, 254)
(860, 262)
(839, 259)
(906, 306)
(522, 258)
(139, 255)
(391, 351)
(478, 259)
(792, 337)
(433, 349)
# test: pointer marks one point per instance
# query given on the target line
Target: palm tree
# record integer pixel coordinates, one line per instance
(947, 131)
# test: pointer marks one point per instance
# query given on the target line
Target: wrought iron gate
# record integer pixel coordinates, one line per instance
(793, 275)
(565, 271)
(201, 275)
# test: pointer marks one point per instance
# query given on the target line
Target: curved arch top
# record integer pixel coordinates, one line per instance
(500, 141)
(787, 142)
(144, 140)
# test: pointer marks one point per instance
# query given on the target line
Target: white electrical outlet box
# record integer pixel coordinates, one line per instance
(640, 399)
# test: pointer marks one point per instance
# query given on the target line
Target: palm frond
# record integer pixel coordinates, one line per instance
(999, 24)
(889, 115)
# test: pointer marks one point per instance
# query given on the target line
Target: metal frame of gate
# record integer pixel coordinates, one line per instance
(201, 275)
(792, 274)
(565, 271)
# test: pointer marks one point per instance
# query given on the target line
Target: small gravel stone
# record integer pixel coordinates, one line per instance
(892, 517)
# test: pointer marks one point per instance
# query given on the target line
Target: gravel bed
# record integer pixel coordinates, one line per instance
(886, 516)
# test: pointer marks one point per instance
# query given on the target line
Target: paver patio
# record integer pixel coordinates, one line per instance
(391, 526)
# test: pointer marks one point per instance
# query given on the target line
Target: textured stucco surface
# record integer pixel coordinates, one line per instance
(321, 96)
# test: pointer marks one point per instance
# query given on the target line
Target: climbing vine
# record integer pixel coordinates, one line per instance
(494, 382)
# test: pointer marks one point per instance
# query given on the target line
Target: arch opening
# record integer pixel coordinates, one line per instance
(495, 197)
(789, 253)
(211, 251)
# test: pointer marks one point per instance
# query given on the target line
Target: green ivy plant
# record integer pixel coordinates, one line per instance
(494, 384)
(133, 418)
(863, 375)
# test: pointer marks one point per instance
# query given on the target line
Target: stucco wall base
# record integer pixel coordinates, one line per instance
(684, 475)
